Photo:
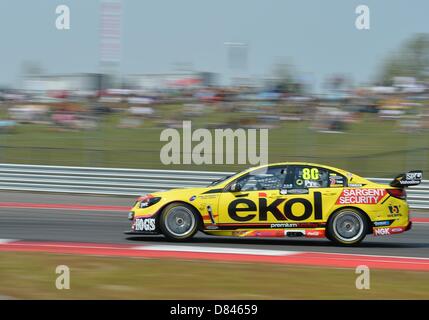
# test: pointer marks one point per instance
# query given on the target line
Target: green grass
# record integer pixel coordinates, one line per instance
(371, 147)
(32, 276)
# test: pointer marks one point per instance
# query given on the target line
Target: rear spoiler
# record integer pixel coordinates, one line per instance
(410, 178)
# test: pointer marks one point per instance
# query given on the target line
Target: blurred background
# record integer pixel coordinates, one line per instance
(100, 93)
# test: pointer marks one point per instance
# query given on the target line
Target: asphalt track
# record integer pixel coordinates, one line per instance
(83, 224)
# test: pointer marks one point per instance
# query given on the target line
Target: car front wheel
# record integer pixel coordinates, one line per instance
(178, 221)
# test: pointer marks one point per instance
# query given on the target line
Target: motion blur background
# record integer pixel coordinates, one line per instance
(100, 93)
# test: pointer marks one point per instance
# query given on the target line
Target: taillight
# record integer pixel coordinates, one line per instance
(398, 193)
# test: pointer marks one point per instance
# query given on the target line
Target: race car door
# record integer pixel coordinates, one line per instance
(248, 200)
(309, 192)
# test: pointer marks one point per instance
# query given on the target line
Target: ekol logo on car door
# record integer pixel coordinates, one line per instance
(244, 210)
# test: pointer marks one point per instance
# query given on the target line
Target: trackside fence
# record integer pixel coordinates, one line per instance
(131, 182)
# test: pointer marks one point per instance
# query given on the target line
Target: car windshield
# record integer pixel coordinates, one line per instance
(216, 182)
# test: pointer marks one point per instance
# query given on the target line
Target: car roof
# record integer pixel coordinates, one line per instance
(344, 172)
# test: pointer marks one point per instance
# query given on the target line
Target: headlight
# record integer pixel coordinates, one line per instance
(148, 201)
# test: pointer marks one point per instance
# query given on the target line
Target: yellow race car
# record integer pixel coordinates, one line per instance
(280, 200)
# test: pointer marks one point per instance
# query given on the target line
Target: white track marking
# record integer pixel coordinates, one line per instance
(260, 252)
(64, 209)
(6, 241)
(365, 255)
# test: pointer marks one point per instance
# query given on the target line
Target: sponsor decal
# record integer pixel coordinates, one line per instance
(192, 198)
(397, 230)
(394, 209)
(258, 225)
(336, 176)
(335, 181)
(208, 197)
(381, 231)
(284, 225)
(144, 200)
(143, 205)
(382, 223)
(388, 231)
(356, 185)
(266, 233)
(294, 233)
(361, 196)
(239, 233)
(147, 201)
(283, 191)
(406, 182)
(314, 233)
(262, 194)
(414, 176)
(142, 224)
(311, 184)
(294, 191)
(394, 215)
(244, 210)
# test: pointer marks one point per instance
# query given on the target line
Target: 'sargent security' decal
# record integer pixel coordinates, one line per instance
(361, 196)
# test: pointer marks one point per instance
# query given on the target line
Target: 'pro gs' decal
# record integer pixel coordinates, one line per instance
(361, 196)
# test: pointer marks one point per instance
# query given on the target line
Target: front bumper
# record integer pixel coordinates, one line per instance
(141, 233)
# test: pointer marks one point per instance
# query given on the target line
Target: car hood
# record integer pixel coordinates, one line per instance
(182, 192)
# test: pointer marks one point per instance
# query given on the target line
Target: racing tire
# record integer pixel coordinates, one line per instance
(347, 227)
(179, 222)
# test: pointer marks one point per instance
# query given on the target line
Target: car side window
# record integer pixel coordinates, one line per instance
(271, 178)
(304, 177)
(336, 180)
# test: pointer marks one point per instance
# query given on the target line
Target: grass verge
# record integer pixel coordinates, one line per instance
(32, 276)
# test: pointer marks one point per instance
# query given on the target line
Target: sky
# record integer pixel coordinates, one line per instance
(318, 37)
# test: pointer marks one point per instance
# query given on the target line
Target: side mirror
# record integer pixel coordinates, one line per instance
(235, 187)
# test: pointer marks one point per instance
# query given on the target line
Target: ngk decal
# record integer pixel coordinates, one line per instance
(387, 231)
(381, 231)
(361, 196)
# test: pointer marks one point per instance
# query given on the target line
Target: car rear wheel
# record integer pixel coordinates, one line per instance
(347, 227)
(178, 221)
